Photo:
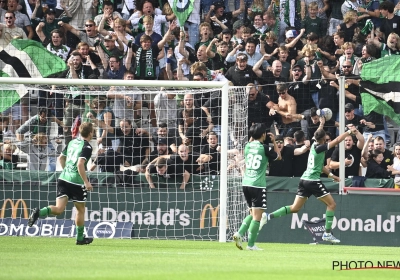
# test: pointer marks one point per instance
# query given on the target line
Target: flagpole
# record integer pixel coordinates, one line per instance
(342, 167)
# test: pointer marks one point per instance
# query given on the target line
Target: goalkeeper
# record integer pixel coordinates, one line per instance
(310, 183)
(73, 183)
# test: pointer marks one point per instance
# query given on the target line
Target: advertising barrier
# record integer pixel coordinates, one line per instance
(64, 228)
(193, 214)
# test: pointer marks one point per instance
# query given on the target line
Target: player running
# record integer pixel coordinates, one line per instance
(310, 183)
(254, 183)
(73, 183)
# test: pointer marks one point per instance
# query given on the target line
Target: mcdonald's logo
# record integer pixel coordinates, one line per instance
(213, 212)
(14, 208)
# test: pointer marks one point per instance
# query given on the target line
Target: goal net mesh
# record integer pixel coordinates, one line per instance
(144, 124)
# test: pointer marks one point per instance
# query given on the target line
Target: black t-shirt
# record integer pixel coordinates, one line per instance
(197, 117)
(390, 25)
(241, 78)
(109, 161)
(283, 167)
(374, 170)
(219, 62)
(387, 159)
(356, 122)
(214, 163)
(172, 170)
(269, 81)
(132, 146)
(376, 119)
(258, 112)
(348, 31)
(355, 154)
(226, 19)
(293, 51)
(300, 162)
(190, 165)
(214, 108)
(301, 94)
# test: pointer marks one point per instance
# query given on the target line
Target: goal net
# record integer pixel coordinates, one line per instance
(163, 164)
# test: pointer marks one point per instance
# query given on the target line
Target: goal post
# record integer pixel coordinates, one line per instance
(181, 86)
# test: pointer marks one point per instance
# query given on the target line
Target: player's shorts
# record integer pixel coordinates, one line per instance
(307, 188)
(76, 193)
(255, 197)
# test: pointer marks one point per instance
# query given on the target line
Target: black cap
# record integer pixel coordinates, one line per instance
(226, 31)
(162, 141)
(349, 106)
(297, 65)
(218, 4)
(50, 11)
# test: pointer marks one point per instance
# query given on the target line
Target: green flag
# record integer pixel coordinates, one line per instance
(25, 59)
(380, 87)
(182, 9)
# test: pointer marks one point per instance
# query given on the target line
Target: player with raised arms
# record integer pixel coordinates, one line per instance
(254, 183)
(73, 183)
(310, 183)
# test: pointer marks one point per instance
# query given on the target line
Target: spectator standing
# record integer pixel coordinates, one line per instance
(375, 169)
(300, 161)
(9, 30)
(133, 146)
(390, 22)
(50, 21)
(352, 155)
(38, 151)
(74, 105)
(21, 20)
(379, 144)
(241, 74)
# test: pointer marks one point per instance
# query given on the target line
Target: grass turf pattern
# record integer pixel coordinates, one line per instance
(60, 258)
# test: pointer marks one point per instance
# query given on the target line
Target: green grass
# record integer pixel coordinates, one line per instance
(60, 258)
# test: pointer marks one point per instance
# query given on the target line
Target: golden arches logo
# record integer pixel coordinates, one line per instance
(14, 208)
(213, 212)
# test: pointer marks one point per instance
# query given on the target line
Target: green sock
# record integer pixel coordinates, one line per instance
(245, 225)
(253, 232)
(329, 215)
(46, 211)
(79, 232)
(280, 212)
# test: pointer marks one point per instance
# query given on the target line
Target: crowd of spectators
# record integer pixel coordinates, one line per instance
(288, 54)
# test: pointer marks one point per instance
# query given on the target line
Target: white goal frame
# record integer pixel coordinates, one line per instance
(223, 86)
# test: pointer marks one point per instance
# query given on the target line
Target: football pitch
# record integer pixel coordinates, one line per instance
(60, 258)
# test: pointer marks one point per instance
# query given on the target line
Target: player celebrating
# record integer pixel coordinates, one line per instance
(254, 182)
(310, 183)
(73, 183)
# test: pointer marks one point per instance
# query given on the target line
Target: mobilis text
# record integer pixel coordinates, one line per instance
(352, 265)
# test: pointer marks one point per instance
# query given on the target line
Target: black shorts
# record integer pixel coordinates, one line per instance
(308, 188)
(76, 193)
(255, 197)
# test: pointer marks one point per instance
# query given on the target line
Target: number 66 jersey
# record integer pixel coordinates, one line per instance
(257, 156)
